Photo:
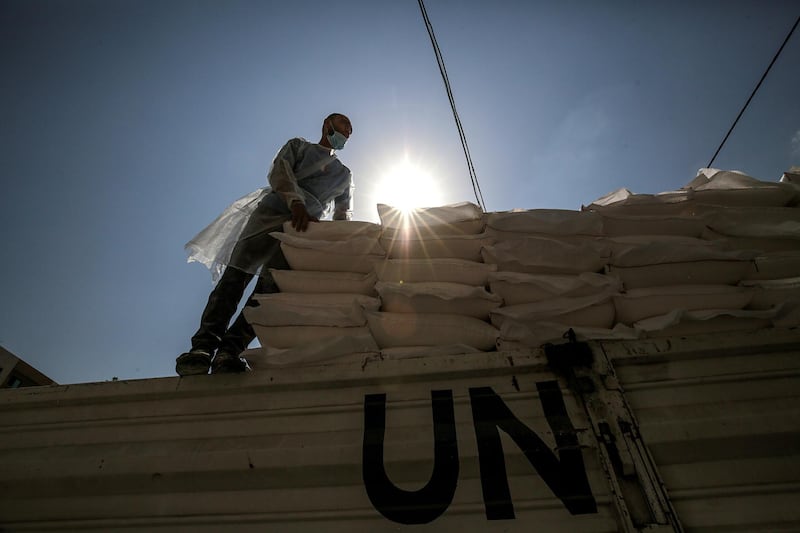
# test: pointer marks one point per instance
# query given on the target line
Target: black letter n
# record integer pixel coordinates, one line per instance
(566, 478)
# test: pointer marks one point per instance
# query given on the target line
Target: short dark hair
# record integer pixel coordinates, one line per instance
(334, 115)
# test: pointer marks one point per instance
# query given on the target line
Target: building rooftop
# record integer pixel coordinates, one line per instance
(15, 373)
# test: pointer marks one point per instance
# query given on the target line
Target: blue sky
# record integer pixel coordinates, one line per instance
(127, 126)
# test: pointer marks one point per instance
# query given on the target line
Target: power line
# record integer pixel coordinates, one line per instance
(440, 62)
(754, 92)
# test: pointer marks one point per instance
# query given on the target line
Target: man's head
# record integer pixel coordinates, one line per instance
(336, 129)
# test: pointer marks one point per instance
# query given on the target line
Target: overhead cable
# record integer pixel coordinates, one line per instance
(440, 61)
(754, 92)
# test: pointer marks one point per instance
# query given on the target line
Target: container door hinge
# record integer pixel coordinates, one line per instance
(642, 500)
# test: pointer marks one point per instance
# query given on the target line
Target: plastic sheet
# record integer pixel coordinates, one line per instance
(214, 244)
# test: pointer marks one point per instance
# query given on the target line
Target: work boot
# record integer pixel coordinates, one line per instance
(225, 363)
(195, 362)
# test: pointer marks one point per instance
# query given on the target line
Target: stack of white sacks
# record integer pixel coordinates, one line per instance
(433, 284)
(721, 254)
(726, 256)
(550, 265)
(320, 313)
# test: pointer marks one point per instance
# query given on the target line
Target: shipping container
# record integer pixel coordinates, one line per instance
(700, 433)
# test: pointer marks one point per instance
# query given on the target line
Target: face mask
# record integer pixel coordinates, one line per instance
(337, 140)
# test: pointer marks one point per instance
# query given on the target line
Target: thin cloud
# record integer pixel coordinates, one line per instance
(796, 143)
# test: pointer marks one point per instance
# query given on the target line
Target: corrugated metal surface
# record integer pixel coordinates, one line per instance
(282, 450)
(713, 418)
(721, 417)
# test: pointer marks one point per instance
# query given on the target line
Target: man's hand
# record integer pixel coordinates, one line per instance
(300, 216)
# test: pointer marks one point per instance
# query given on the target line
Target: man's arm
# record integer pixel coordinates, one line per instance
(281, 175)
(283, 181)
(342, 204)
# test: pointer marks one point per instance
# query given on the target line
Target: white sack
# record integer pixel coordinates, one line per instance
(757, 244)
(769, 293)
(309, 259)
(335, 348)
(453, 246)
(352, 246)
(710, 272)
(596, 311)
(547, 256)
(499, 236)
(335, 230)
(638, 304)
(293, 336)
(619, 224)
(624, 201)
(441, 270)
(733, 188)
(521, 288)
(547, 221)
(768, 222)
(791, 176)
(455, 219)
(354, 255)
(400, 329)
(658, 250)
(304, 281)
(788, 315)
(776, 265)
(437, 297)
(681, 322)
(516, 336)
(298, 309)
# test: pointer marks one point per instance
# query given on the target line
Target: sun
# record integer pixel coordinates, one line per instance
(406, 186)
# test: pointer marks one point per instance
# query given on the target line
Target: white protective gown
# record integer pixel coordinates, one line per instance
(301, 171)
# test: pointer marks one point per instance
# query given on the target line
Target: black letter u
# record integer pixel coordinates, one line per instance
(428, 503)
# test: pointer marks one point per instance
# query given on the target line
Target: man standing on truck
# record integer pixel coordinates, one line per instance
(304, 179)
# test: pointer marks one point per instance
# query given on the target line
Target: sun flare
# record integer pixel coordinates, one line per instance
(406, 186)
